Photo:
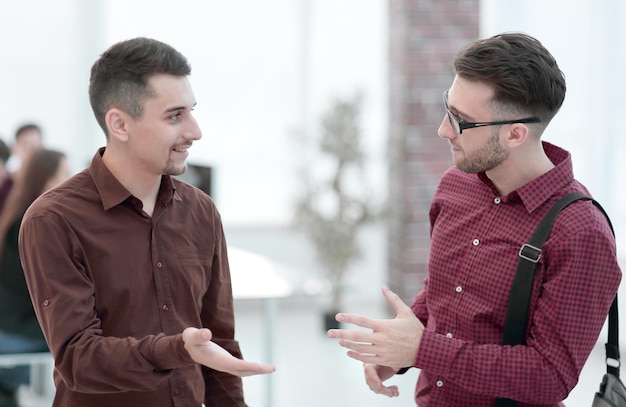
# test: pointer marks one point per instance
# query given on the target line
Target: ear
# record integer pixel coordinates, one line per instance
(517, 135)
(117, 122)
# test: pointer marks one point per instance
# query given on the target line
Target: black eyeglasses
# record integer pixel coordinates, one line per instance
(459, 125)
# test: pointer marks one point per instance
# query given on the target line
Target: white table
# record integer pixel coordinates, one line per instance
(255, 277)
(42, 365)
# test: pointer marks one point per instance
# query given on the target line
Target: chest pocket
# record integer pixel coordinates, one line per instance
(195, 267)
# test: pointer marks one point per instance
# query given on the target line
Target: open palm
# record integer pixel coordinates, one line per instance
(206, 352)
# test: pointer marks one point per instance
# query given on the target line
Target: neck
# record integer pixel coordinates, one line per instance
(141, 185)
(521, 167)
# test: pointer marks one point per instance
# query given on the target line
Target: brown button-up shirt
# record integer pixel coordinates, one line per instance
(113, 290)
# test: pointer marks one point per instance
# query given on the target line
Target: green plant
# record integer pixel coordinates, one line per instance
(335, 200)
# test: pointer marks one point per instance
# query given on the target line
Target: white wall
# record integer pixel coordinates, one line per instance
(261, 69)
(586, 38)
(46, 51)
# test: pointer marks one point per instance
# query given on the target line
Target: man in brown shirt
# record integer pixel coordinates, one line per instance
(126, 265)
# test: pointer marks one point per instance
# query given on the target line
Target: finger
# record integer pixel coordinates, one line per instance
(359, 320)
(205, 334)
(264, 368)
(357, 346)
(351, 335)
(365, 357)
(396, 302)
(389, 391)
(195, 336)
(375, 382)
(251, 369)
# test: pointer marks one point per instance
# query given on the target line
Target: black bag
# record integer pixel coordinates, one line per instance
(612, 392)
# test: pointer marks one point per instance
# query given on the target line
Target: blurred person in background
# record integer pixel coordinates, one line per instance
(127, 266)
(19, 329)
(506, 90)
(6, 181)
(28, 138)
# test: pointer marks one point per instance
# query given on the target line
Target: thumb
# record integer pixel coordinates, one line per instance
(396, 302)
(205, 334)
(193, 335)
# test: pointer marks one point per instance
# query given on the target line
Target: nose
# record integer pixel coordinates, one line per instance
(445, 129)
(192, 132)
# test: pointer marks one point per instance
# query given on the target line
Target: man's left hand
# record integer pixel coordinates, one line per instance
(391, 342)
(202, 350)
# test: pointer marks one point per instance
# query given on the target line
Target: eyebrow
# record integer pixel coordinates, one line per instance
(175, 108)
(465, 117)
(457, 112)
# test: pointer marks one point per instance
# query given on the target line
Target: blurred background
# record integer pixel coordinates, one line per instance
(266, 74)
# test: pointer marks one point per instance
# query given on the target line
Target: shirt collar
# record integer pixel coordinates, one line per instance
(112, 192)
(539, 190)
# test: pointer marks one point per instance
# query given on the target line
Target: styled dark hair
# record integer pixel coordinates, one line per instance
(119, 78)
(26, 128)
(523, 74)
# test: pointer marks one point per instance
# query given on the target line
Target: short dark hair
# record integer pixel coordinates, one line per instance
(119, 78)
(523, 74)
(26, 128)
(5, 152)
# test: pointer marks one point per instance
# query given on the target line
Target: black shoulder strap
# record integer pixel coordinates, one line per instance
(612, 346)
(519, 296)
(521, 289)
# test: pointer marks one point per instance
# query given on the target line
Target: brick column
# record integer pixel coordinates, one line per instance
(424, 36)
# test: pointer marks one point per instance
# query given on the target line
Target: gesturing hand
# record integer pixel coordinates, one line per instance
(202, 350)
(375, 375)
(391, 342)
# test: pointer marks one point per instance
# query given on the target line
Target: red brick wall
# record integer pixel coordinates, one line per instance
(424, 36)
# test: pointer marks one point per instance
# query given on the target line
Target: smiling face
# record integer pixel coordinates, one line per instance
(158, 140)
(476, 149)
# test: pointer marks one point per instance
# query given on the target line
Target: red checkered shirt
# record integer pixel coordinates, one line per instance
(476, 235)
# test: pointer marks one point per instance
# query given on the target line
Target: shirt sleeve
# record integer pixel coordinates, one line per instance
(64, 301)
(419, 306)
(221, 389)
(580, 282)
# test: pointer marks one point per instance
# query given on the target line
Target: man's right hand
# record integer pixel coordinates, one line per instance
(202, 350)
(375, 375)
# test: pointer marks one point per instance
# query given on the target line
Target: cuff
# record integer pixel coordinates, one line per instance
(436, 353)
(170, 352)
(403, 370)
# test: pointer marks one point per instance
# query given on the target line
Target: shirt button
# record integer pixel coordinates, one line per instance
(165, 307)
(475, 242)
(439, 383)
(159, 264)
(458, 288)
(449, 335)
(46, 303)
(497, 201)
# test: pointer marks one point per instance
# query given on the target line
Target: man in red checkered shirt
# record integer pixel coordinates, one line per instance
(505, 92)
